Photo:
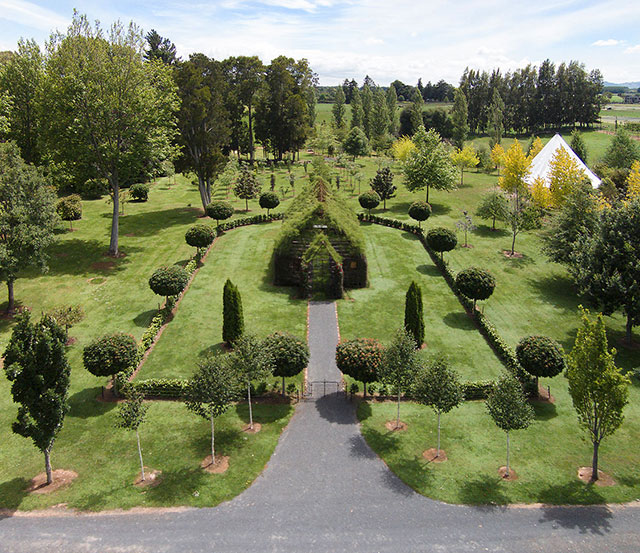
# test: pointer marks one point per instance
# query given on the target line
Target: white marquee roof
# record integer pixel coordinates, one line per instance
(540, 164)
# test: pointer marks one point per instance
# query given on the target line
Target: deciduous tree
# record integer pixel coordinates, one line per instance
(465, 159)
(493, 206)
(247, 186)
(382, 183)
(131, 415)
(360, 359)
(290, 354)
(356, 143)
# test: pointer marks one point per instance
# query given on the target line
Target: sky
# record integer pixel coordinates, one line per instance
(388, 40)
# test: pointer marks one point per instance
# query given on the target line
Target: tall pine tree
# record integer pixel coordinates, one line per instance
(413, 314)
(232, 316)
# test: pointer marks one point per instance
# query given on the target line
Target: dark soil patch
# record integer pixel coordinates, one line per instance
(102, 265)
(220, 466)
(9, 315)
(430, 455)
(544, 396)
(61, 254)
(584, 473)
(61, 479)
(623, 342)
(468, 246)
(256, 428)
(151, 478)
(391, 426)
(509, 255)
(502, 471)
(130, 234)
(70, 341)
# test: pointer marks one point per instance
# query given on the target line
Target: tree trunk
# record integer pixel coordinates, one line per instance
(203, 192)
(113, 244)
(493, 226)
(438, 448)
(250, 411)
(513, 244)
(629, 328)
(213, 443)
(427, 193)
(507, 472)
(12, 304)
(251, 146)
(365, 388)
(398, 414)
(283, 386)
(47, 465)
(246, 204)
(140, 454)
(594, 462)
(461, 177)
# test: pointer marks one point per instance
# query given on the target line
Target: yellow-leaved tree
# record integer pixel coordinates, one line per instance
(402, 147)
(564, 174)
(465, 159)
(535, 148)
(540, 193)
(633, 182)
(497, 157)
(516, 169)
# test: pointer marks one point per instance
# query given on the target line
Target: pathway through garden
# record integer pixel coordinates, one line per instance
(324, 490)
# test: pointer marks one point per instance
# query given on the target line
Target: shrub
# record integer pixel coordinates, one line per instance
(169, 281)
(369, 200)
(232, 316)
(200, 236)
(139, 192)
(413, 315)
(541, 356)
(269, 200)
(290, 354)
(69, 208)
(110, 354)
(475, 283)
(441, 240)
(354, 389)
(219, 210)
(360, 359)
(420, 211)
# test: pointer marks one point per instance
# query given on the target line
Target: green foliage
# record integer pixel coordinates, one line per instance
(139, 192)
(578, 145)
(200, 236)
(67, 316)
(213, 388)
(496, 118)
(269, 200)
(168, 281)
(413, 314)
(493, 206)
(290, 354)
(429, 164)
(507, 405)
(356, 144)
(475, 283)
(437, 386)
(110, 354)
(442, 240)
(541, 356)
(623, 151)
(132, 412)
(369, 200)
(360, 359)
(459, 116)
(35, 363)
(219, 210)
(606, 266)
(420, 211)
(338, 109)
(598, 390)
(247, 186)
(382, 183)
(232, 316)
(69, 208)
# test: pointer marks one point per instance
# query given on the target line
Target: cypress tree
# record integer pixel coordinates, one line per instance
(232, 317)
(413, 315)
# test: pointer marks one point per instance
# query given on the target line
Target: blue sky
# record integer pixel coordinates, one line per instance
(387, 40)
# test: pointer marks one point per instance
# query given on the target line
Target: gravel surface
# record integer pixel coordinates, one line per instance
(324, 490)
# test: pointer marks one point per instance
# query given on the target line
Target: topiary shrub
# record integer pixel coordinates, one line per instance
(110, 354)
(360, 359)
(219, 210)
(139, 192)
(369, 200)
(420, 211)
(475, 283)
(232, 316)
(541, 356)
(169, 281)
(69, 209)
(441, 240)
(269, 200)
(290, 354)
(200, 236)
(413, 315)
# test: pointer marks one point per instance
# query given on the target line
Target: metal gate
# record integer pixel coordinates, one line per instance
(319, 388)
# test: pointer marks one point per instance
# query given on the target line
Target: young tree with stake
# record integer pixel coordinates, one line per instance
(131, 415)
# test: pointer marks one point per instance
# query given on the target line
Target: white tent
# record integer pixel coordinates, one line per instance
(539, 167)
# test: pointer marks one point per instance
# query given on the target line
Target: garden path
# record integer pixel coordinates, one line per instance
(324, 490)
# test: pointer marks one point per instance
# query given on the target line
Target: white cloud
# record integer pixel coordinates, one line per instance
(31, 15)
(633, 49)
(608, 42)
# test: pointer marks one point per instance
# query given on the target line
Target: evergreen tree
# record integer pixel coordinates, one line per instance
(247, 186)
(35, 362)
(622, 151)
(413, 314)
(367, 110)
(459, 117)
(392, 108)
(380, 120)
(232, 316)
(496, 118)
(357, 113)
(339, 110)
(578, 145)
(382, 183)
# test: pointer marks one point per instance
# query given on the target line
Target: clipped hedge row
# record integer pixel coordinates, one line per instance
(166, 388)
(255, 220)
(478, 389)
(502, 350)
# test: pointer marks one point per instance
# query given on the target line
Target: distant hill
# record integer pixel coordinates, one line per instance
(635, 84)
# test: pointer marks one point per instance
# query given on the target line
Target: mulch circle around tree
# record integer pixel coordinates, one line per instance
(430, 455)
(70, 341)
(61, 479)
(502, 471)
(256, 428)
(119, 255)
(97, 280)
(509, 255)
(584, 473)
(391, 426)
(543, 396)
(151, 478)
(221, 465)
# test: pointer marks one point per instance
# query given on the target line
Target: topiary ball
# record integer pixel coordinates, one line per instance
(369, 200)
(290, 354)
(110, 354)
(169, 281)
(541, 356)
(139, 192)
(420, 211)
(441, 239)
(475, 283)
(219, 210)
(269, 200)
(200, 236)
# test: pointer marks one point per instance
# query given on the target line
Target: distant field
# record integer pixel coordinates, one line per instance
(323, 111)
(624, 112)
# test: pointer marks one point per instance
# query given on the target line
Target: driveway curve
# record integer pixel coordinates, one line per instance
(324, 490)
